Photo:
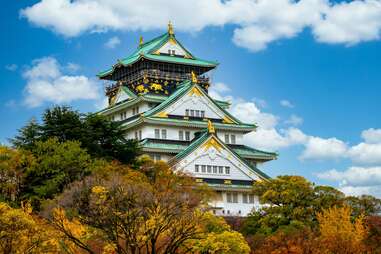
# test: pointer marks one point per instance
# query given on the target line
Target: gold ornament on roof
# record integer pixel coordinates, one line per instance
(194, 77)
(141, 41)
(170, 28)
(211, 127)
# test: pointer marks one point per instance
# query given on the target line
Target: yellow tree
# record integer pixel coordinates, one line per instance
(20, 232)
(338, 234)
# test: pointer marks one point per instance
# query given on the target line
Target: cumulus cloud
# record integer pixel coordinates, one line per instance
(356, 180)
(257, 23)
(372, 136)
(320, 148)
(112, 42)
(46, 83)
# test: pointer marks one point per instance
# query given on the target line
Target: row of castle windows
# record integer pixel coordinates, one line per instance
(195, 113)
(230, 139)
(246, 198)
(211, 169)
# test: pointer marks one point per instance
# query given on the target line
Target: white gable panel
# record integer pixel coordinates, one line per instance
(179, 51)
(195, 102)
(121, 96)
(212, 156)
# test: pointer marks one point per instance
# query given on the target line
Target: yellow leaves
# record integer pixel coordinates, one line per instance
(73, 227)
(339, 233)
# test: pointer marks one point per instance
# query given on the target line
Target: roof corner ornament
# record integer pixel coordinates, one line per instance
(211, 127)
(170, 28)
(141, 41)
(194, 77)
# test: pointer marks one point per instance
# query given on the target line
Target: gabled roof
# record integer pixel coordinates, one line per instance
(204, 137)
(183, 89)
(148, 51)
(176, 146)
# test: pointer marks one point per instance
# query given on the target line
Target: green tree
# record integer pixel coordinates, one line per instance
(57, 164)
(365, 204)
(101, 137)
(27, 135)
(290, 201)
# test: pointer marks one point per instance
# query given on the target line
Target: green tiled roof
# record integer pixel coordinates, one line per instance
(184, 87)
(196, 143)
(146, 50)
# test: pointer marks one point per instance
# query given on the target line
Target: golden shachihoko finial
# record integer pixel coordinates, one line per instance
(170, 28)
(194, 77)
(210, 127)
(141, 41)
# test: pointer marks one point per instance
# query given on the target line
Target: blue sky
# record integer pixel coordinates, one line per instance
(306, 72)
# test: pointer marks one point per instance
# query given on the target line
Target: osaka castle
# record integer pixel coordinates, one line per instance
(159, 94)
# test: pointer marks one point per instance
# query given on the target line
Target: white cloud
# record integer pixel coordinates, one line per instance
(73, 67)
(11, 67)
(320, 149)
(286, 103)
(294, 120)
(112, 42)
(372, 136)
(365, 153)
(257, 23)
(350, 22)
(46, 83)
(356, 180)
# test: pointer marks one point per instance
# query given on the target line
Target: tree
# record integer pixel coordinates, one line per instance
(338, 234)
(218, 238)
(12, 167)
(365, 204)
(289, 200)
(27, 136)
(22, 233)
(152, 212)
(56, 165)
(101, 137)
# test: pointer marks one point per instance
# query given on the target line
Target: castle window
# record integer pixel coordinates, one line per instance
(173, 52)
(227, 170)
(235, 197)
(203, 168)
(196, 168)
(136, 135)
(181, 135)
(191, 112)
(197, 113)
(187, 112)
(229, 198)
(202, 113)
(220, 169)
(157, 133)
(140, 134)
(209, 169)
(244, 198)
(227, 138)
(214, 169)
(232, 139)
(187, 135)
(164, 134)
(251, 199)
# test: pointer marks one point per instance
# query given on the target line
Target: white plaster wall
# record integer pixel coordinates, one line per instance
(234, 209)
(238, 136)
(212, 156)
(143, 106)
(178, 50)
(196, 103)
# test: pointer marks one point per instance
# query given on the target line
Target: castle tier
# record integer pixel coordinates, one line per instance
(160, 97)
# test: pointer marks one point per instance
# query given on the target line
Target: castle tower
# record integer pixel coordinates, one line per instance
(160, 96)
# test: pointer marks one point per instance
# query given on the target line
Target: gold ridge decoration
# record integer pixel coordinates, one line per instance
(212, 143)
(227, 120)
(162, 114)
(140, 88)
(170, 28)
(195, 91)
(211, 127)
(172, 41)
(194, 77)
(141, 41)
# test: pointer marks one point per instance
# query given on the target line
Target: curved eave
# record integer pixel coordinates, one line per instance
(186, 123)
(158, 58)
